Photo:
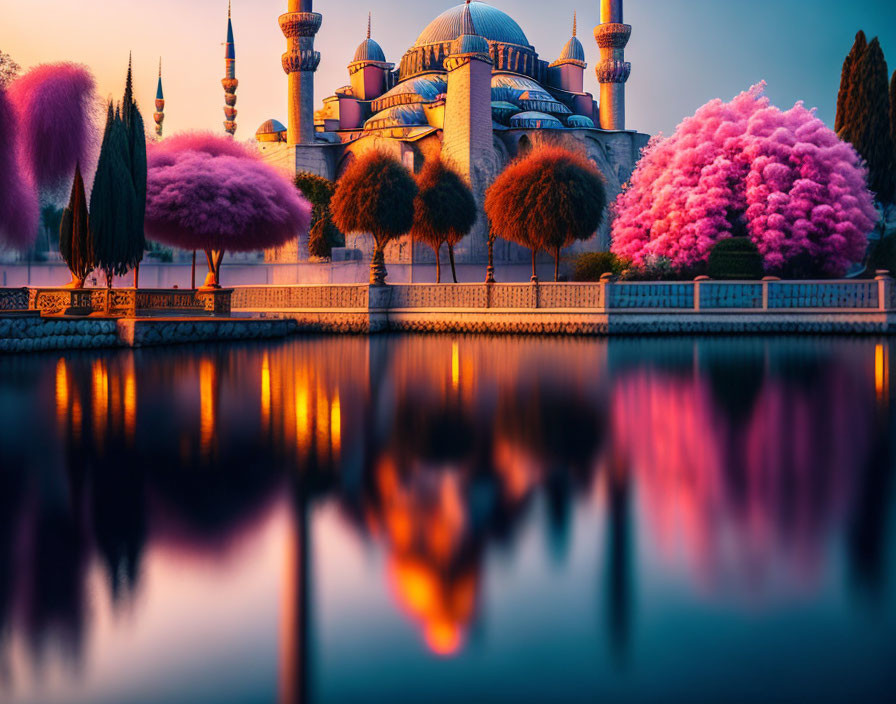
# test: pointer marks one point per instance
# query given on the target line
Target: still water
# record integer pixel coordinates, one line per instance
(444, 519)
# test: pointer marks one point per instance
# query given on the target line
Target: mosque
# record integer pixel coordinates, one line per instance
(471, 88)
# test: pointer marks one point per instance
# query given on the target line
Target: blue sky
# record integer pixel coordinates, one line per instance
(683, 52)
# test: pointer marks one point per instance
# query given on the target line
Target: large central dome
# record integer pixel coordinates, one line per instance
(489, 22)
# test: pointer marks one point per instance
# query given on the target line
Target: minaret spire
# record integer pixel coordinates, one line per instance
(369, 19)
(159, 115)
(230, 82)
(575, 23)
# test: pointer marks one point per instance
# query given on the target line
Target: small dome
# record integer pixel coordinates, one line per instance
(502, 111)
(573, 51)
(535, 121)
(470, 44)
(580, 121)
(369, 50)
(270, 131)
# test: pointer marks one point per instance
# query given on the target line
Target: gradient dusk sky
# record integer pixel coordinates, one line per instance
(683, 52)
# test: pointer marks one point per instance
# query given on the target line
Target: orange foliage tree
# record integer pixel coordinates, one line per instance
(444, 210)
(547, 200)
(376, 195)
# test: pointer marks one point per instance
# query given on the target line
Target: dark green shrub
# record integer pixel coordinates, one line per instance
(319, 191)
(590, 266)
(736, 258)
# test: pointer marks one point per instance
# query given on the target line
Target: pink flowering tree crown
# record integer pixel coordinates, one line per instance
(210, 193)
(57, 114)
(746, 167)
(18, 198)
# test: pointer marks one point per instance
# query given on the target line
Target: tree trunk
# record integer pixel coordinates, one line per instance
(556, 265)
(490, 271)
(439, 263)
(137, 276)
(193, 276)
(211, 281)
(451, 259)
(219, 258)
(534, 273)
(378, 266)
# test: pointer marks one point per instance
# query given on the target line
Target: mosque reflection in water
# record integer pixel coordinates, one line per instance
(742, 471)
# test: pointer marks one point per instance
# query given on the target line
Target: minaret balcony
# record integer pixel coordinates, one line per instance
(612, 71)
(300, 24)
(301, 60)
(612, 35)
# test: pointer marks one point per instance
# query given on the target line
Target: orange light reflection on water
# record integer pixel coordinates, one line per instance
(206, 405)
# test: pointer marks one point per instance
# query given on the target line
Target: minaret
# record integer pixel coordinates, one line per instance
(229, 82)
(299, 26)
(160, 104)
(468, 136)
(613, 71)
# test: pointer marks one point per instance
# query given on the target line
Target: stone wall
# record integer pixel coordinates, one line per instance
(33, 333)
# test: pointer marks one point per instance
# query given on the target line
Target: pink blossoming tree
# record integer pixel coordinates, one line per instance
(57, 113)
(211, 193)
(799, 192)
(18, 198)
(47, 127)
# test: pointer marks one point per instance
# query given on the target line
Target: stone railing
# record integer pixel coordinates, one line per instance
(701, 295)
(13, 299)
(607, 307)
(127, 302)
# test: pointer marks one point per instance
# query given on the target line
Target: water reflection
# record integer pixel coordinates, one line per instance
(734, 471)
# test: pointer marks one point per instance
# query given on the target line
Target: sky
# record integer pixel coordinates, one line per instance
(683, 52)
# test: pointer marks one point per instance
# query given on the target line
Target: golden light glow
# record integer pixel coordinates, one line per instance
(303, 415)
(61, 393)
(323, 421)
(336, 426)
(265, 391)
(206, 405)
(77, 418)
(455, 366)
(130, 403)
(881, 372)
(100, 401)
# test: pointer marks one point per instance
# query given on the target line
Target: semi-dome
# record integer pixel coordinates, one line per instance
(490, 22)
(369, 50)
(270, 131)
(470, 44)
(579, 121)
(535, 121)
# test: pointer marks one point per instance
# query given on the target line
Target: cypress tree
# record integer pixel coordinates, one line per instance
(847, 78)
(136, 163)
(867, 120)
(112, 203)
(75, 243)
(893, 115)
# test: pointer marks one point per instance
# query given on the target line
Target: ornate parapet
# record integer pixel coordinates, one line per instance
(300, 24)
(612, 35)
(300, 60)
(613, 71)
